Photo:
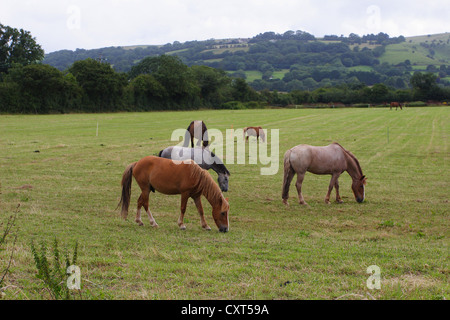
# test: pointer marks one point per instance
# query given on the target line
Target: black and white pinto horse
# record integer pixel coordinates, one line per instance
(203, 157)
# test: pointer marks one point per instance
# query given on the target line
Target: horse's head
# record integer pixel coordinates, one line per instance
(220, 214)
(358, 188)
(223, 181)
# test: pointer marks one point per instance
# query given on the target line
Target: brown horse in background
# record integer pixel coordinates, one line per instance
(255, 132)
(174, 177)
(396, 105)
(332, 159)
(196, 129)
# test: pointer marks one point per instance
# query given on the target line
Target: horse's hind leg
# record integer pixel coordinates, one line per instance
(143, 201)
(298, 185)
(333, 182)
(150, 216)
(198, 203)
(138, 214)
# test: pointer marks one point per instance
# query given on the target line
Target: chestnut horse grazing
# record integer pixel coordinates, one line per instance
(332, 159)
(396, 105)
(197, 129)
(255, 132)
(174, 177)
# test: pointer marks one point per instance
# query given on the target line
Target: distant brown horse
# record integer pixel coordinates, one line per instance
(332, 159)
(255, 132)
(174, 177)
(396, 105)
(196, 129)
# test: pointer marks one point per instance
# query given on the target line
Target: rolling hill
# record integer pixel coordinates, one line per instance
(293, 60)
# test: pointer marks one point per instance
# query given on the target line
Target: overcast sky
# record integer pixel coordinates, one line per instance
(88, 24)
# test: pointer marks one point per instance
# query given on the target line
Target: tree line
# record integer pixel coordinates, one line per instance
(165, 82)
(156, 83)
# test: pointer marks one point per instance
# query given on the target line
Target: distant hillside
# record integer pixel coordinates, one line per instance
(293, 60)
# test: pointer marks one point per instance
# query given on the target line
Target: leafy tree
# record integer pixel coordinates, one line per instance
(425, 86)
(17, 46)
(102, 86)
(148, 93)
(212, 83)
(43, 89)
(379, 93)
(176, 78)
(241, 91)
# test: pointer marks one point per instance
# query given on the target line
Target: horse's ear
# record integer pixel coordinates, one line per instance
(364, 180)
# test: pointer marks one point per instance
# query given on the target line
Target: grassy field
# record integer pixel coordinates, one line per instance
(418, 55)
(271, 252)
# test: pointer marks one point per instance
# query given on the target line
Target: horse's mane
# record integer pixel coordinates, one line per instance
(353, 157)
(206, 183)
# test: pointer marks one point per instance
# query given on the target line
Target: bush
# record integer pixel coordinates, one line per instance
(233, 105)
(54, 275)
(416, 104)
(253, 105)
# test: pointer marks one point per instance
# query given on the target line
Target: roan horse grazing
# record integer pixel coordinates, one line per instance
(197, 129)
(171, 177)
(255, 132)
(396, 105)
(332, 159)
(203, 157)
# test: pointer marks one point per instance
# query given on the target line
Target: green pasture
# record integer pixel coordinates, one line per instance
(66, 174)
(418, 55)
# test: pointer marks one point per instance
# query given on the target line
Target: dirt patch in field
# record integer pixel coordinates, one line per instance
(24, 187)
(409, 282)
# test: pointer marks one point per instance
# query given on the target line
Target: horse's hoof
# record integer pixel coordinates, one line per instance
(285, 203)
(183, 227)
(339, 201)
(207, 228)
(327, 202)
(140, 223)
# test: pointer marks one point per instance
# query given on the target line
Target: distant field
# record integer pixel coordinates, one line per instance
(253, 75)
(271, 252)
(417, 54)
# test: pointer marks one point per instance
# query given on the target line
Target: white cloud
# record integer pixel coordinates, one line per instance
(58, 25)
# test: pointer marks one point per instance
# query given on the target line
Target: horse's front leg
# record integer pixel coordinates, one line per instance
(184, 200)
(198, 203)
(333, 180)
(338, 197)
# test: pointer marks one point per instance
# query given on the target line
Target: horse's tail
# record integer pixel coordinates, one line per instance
(160, 153)
(288, 175)
(127, 178)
